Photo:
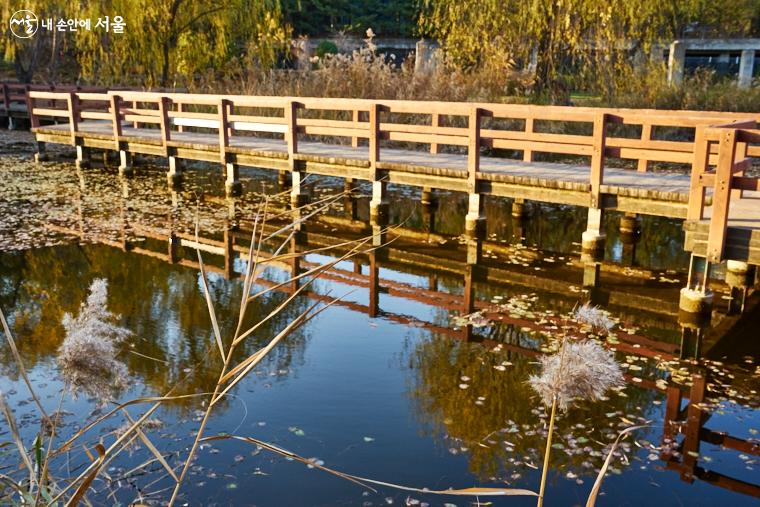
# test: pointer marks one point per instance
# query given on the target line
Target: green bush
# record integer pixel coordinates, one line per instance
(326, 47)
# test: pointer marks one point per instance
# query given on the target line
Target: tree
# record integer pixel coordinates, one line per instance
(575, 38)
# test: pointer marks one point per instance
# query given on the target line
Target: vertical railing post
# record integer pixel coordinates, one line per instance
(164, 104)
(435, 121)
(597, 158)
(6, 99)
(529, 127)
(116, 119)
(716, 238)
(298, 195)
(741, 154)
(378, 204)
(699, 166)
(355, 119)
(232, 184)
(374, 136)
(73, 110)
(291, 119)
(135, 124)
(125, 157)
(33, 119)
(474, 221)
(180, 109)
(593, 238)
(646, 136)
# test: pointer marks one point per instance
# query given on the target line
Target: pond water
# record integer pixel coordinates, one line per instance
(386, 384)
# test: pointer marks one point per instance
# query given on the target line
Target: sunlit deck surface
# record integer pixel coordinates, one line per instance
(660, 186)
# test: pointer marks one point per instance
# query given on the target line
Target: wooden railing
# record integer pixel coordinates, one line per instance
(596, 134)
(736, 144)
(17, 93)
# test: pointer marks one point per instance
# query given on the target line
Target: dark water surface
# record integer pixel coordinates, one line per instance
(386, 384)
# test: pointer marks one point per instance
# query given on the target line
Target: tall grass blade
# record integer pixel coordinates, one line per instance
(20, 363)
(362, 481)
(600, 477)
(82, 489)
(151, 447)
(8, 413)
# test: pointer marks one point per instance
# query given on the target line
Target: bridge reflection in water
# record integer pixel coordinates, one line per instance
(458, 277)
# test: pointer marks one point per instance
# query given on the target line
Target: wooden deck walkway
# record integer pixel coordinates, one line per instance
(498, 150)
(449, 170)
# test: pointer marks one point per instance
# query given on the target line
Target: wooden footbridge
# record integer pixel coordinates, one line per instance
(591, 157)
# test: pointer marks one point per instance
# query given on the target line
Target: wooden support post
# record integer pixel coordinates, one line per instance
(529, 126)
(721, 195)
(125, 158)
(374, 286)
(232, 184)
(741, 154)
(135, 123)
(378, 205)
(435, 121)
(474, 222)
(355, 118)
(229, 253)
(597, 158)
(298, 196)
(73, 106)
(698, 168)
(34, 121)
(180, 109)
(694, 421)
(164, 104)
(646, 136)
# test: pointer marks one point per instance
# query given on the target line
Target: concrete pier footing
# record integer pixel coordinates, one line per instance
(695, 301)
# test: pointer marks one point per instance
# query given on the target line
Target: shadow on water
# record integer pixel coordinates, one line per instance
(393, 361)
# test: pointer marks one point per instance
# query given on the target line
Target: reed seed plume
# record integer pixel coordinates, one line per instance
(87, 356)
(579, 371)
(593, 316)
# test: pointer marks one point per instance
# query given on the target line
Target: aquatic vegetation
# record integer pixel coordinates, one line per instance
(87, 356)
